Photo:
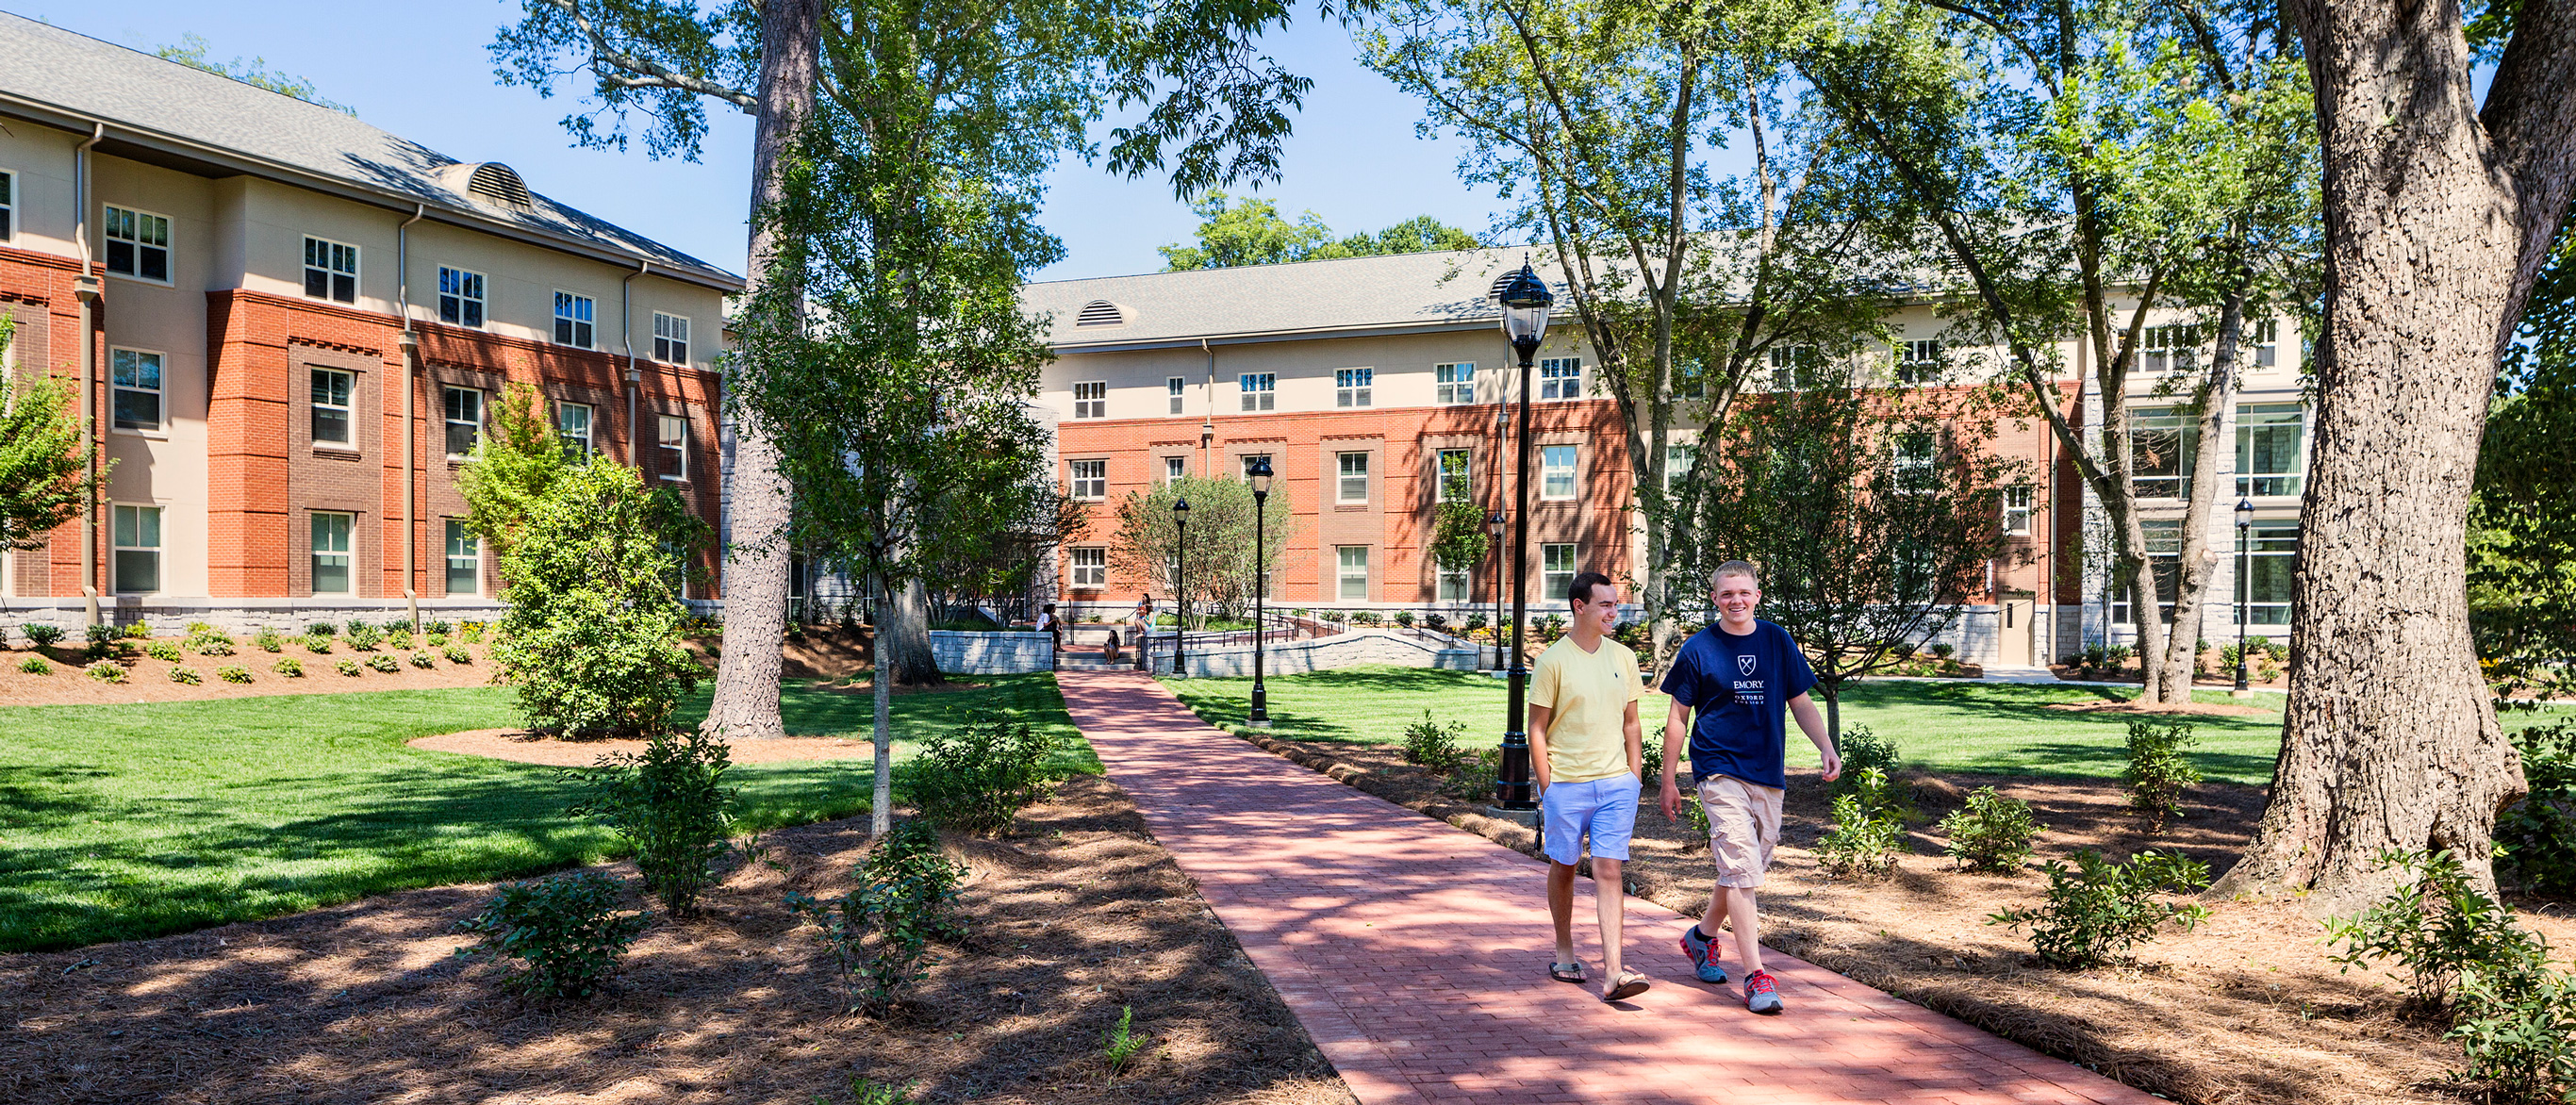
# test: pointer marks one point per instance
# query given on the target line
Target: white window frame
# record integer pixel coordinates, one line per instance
(319, 402)
(1351, 472)
(1678, 458)
(1350, 580)
(2264, 334)
(159, 391)
(1175, 467)
(674, 449)
(577, 439)
(328, 268)
(670, 338)
(1090, 566)
(1920, 361)
(1354, 387)
(1454, 384)
(1911, 469)
(2289, 483)
(1551, 471)
(1454, 585)
(1091, 399)
(461, 298)
(8, 206)
(2185, 430)
(136, 241)
(2020, 506)
(1560, 378)
(1558, 565)
(2174, 347)
(576, 320)
(1088, 480)
(347, 553)
(449, 422)
(119, 546)
(1440, 475)
(1793, 367)
(1260, 390)
(1178, 389)
(2273, 538)
(2164, 543)
(471, 559)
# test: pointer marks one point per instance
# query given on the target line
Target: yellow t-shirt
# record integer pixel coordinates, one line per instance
(1587, 694)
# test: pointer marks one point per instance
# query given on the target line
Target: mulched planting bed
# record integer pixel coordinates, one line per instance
(1073, 917)
(148, 679)
(2246, 1009)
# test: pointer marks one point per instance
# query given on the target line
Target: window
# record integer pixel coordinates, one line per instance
(1454, 383)
(137, 378)
(1091, 479)
(2162, 441)
(460, 297)
(1176, 388)
(2017, 510)
(1091, 400)
(464, 560)
(1794, 367)
(1677, 462)
(1560, 378)
(464, 419)
(2270, 565)
(138, 244)
(2268, 439)
(330, 270)
(1248, 458)
(1260, 390)
(1456, 585)
(1351, 386)
(8, 206)
(572, 427)
(138, 548)
(2265, 336)
(572, 320)
(1091, 567)
(332, 393)
(331, 553)
(1918, 362)
(1352, 573)
(674, 437)
(1556, 564)
(1354, 483)
(2164, 556)
(1453, 474)
(1912, 459)
(1690, 378)
(2171, 348)
(1556, 472)
(670, 338)
(1174, 468)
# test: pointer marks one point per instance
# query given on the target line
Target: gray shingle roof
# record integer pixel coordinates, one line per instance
(158, 103)
(1405, 291)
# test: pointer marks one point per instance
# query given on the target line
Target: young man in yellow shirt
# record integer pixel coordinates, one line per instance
(1585, 746)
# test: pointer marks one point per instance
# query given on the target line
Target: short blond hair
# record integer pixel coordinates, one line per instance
(1743, 568)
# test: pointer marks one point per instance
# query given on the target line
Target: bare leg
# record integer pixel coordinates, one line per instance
(1560, 908)
(1713, 922)
(1609, 893)
(1748, 924)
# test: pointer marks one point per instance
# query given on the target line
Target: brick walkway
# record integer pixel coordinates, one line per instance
(1414, 953)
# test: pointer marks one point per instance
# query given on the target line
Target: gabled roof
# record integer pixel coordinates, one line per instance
(164, 113)
(1404, 293)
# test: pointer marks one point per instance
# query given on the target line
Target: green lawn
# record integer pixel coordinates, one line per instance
(119, 822)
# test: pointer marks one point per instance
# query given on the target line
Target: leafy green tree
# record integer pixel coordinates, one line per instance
(42, 481)
(592, 638)
(514, 465)
(191, 52)
(2522, 536)
(1253, 232)
(1458, 537)
(1221, 568)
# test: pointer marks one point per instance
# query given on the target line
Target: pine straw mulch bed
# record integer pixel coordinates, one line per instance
(2246, 1010)
(148, 680)
(1073, 916)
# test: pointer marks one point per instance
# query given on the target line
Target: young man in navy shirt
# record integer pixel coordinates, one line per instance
(1742, 677)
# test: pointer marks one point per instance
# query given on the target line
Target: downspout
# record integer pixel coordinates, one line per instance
(626, 322)
(85, 289)
(410, 440)
(1207, 428)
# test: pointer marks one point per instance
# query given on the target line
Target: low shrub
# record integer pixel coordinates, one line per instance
(1404, 618)
(188, 676)
(195, 628)
(1431, 744)
(456, 655)
(1862, 750)
(384, 662)
(435, 640)
(165, 651)
(35, 665)
(320, 629)
(567, 929)
(472, 633)
(319, 644)
(1990, 832)
(1473, 779)
(106, 671)
(670, 804)
(1943, 649)
(1120, 1045)
(289, 667)
(43, 635)
(977, 777)
(2159, 770)
(2519, 1034)
(441, 628)
(2437, 925)
(423, 660)
(364, 637)
(1475, 622)
(234, 673)
(268, 640)
(102, 643)
(399, 639)
(206, 640)
(2098, 909)
(2118, 654)
(1437, 623)
(139, 631)
(1366, 618)
(906, 898)
(1864, 840)
(347, 667)
(2535, 838)
(1550, 628)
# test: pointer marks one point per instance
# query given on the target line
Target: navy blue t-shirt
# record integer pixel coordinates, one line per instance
(1743, 733)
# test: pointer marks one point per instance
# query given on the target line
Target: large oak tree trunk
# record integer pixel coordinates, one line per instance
(2436, 217)
(756, 566)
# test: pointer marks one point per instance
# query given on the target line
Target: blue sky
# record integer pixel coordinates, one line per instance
(421, 71)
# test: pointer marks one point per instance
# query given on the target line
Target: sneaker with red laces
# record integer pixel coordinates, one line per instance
(1702, 953)
(1760, 994)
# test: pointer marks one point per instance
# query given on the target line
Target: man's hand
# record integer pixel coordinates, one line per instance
(1672, 799)
(1833, 764)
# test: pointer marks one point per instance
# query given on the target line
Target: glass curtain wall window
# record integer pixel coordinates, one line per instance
(1455, 482)
(331, 554)
(673, 436)
(2164, 556)
(1556, 565)
(138, 244)
(670, 338)
(1556, 472)
(460, 297)
(1260, 390)
(1453, 383)
(2162, 441)
(1352, 572)
(2269, 437)
(1560, 378)
(330, 270)
(464, 560)
(2270, 566)
(1176, 388)
(137, 533)
(1090, 479)
(1354, 484)
(573, 320)
(464, 408)
(572, 426)
(137, 379)
(1353, 386)
(332, 396)
(1091, 567)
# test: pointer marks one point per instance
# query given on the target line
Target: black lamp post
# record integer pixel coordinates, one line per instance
(1181, 585)
(2244, 583)
(1525, 303)
(1258, 472)
(1494, 530)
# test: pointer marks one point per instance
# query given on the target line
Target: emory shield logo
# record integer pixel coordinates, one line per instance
(1744, 664)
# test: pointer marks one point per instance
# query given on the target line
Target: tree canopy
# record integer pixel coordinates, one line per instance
(1252, 232)
(42, 479)
(191, 52)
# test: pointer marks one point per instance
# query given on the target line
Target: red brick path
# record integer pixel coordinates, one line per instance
(1415, 953)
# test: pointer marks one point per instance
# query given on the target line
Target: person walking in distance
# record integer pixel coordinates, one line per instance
(1585, 745)
(1741, 677)
(1054, 630)
(1141, 633)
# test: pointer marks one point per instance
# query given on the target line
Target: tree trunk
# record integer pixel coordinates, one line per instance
(881, 734)
(756, 566)
(2435, 220)
(903, 639)
(2191, 584)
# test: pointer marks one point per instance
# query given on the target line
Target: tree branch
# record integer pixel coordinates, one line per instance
(643, 72)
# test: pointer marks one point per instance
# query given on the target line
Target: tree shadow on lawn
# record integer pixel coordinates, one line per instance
(2082, 760)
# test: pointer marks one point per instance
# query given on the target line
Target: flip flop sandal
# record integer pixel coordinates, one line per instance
(1566, 972)
(1630, 985)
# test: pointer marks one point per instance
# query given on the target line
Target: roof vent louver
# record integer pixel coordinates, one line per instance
(1100, 312)
(500, 184)
(1495, 294)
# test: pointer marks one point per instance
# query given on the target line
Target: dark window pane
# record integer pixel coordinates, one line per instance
(138, 410)
(330, 426)
(156, 264)
(120, 258)
(344, 287)
(316, 282)
(450, 309)
(460, 438)
(138, 570)
(474, 312)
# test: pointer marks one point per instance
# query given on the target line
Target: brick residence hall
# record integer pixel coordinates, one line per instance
(293, 326)
(1365, 379)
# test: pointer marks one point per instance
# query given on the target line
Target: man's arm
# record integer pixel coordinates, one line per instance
(1813, 724)
(1676, 721)
(1538, 719)
(1636, 734)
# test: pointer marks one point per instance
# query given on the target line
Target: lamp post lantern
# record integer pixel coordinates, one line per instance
(1525, 303)
(1494, 530)
(1181, 585)
(1258, 472)
(2244, 586)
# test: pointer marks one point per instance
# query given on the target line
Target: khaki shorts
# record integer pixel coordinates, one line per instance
(1743, 828)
